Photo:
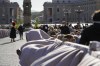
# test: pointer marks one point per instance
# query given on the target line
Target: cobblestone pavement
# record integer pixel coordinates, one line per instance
(8, 56)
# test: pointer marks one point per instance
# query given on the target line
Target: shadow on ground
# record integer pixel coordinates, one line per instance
(9, 42)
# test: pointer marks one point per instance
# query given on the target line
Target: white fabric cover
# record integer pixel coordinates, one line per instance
(66, 61)
(33, 34)
(78, 46)
(94, 46)
(44, 34)
(41, 43)
(36, 34)
(96, 54)
(56, 60)
(59, 57)
(33, 50)
(89, 60)
(77, 58)
(55, 53)
(30, 53)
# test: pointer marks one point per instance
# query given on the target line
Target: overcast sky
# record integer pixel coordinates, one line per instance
(37, 5)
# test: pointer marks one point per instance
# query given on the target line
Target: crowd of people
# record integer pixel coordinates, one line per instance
(64, 31)
(79, 33)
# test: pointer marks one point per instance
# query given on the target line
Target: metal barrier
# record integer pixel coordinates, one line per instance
(4, 33)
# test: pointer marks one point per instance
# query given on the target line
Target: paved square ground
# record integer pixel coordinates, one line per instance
(8, 56)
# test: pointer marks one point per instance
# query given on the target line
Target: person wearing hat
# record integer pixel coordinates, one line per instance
(91, 33)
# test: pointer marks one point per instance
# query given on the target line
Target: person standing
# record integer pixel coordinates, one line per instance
(13, 32)
(64, 28)
(91, 33)
(45, 28)
(21, 30)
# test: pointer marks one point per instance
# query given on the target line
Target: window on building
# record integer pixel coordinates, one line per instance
(50, 20)
(10, 20)
(63, 18)
(11, 10)
(49, 11)
(57, 1)
(57, 9)
(63, 1)
(58, 19)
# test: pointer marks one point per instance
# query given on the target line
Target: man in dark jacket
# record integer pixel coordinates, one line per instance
(21, 30)
(91, 33)
(64, 28)
(45, 28)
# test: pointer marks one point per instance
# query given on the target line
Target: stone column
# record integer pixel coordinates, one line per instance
(27, 13)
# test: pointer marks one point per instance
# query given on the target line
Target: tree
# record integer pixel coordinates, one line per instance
(19, 22)
(36, 23)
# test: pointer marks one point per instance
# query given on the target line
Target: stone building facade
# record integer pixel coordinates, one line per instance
(9, 11)
(70, 10)
(27, 12)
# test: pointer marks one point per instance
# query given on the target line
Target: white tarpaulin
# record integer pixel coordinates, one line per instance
(54, 52)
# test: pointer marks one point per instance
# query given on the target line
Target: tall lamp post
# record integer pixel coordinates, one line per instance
(79, 11)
